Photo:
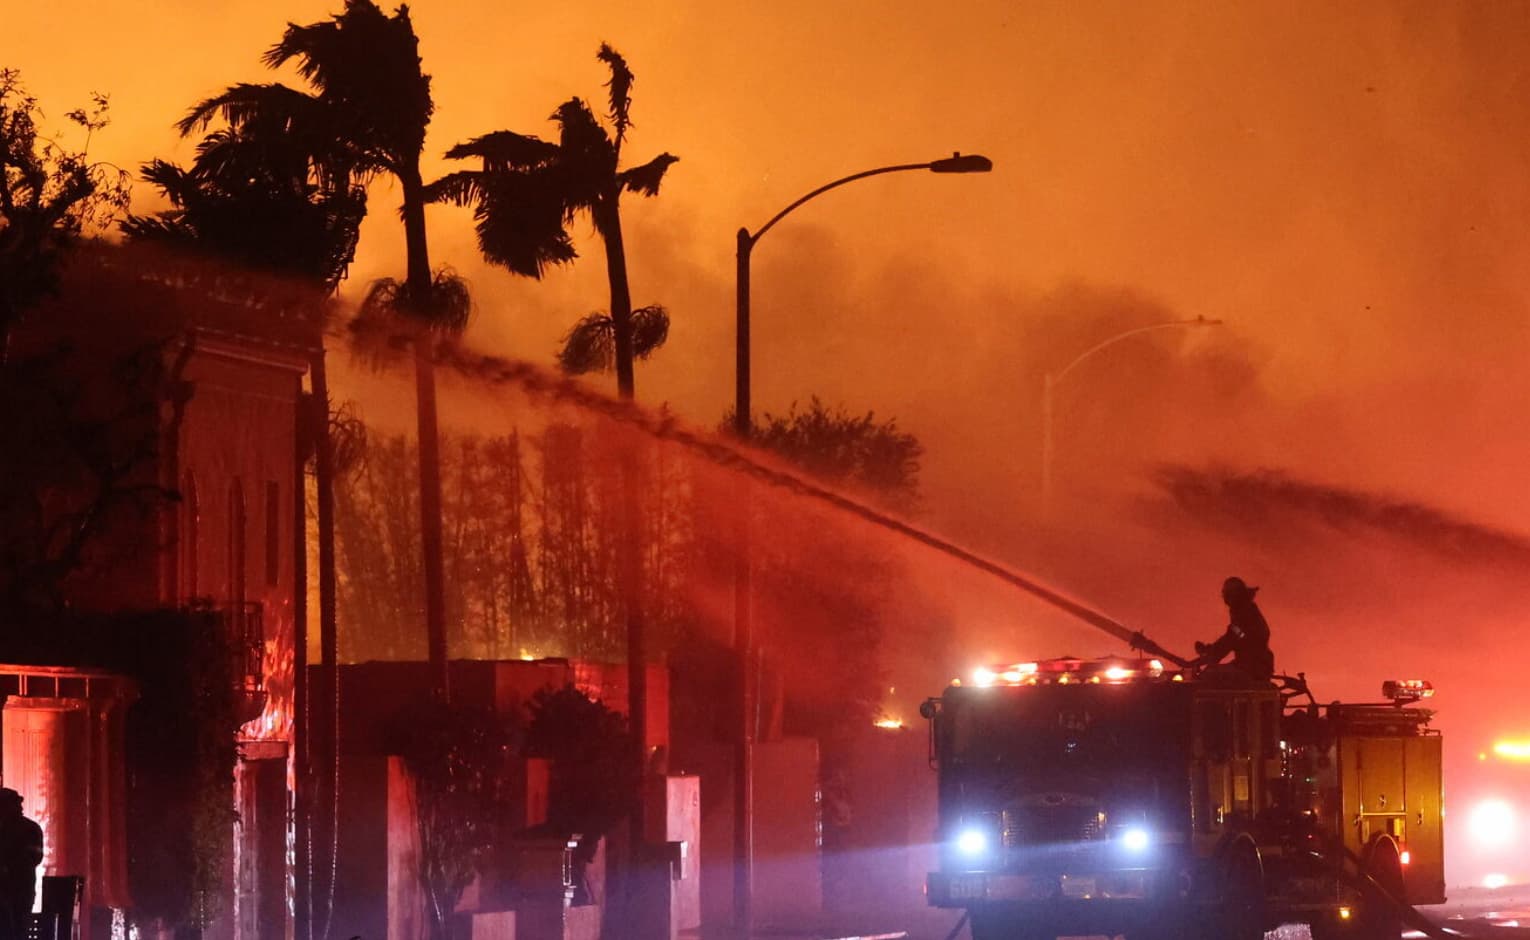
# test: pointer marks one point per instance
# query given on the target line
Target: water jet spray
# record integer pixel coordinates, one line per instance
(538, 381)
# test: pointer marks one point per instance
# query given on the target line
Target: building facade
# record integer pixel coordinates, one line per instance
(226, 537)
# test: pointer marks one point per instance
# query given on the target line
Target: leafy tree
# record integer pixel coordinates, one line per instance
(366, 116)
(456, 755)
(80, 436)
(840, 448)
(594, 775)
(830, 626)
(492, 596)
(528, 191)
(49, 196)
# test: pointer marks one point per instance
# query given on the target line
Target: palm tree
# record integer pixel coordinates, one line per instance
(525, 195)
(528, 191)
(366, 115)
(255, 199)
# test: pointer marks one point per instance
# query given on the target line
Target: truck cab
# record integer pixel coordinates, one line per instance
(1118, 796)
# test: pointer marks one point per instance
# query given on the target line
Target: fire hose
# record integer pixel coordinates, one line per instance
(1370, 888)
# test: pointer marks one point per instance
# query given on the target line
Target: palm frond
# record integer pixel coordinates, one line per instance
(450, 304)
(241, 104)
(521, 222)
(381, 301)
(506, 150)
(644, 180)
(173, 180)
(461, 188)
(586, 154)
(366, 64)
(650, 328)
(620, 87)
(162, 228)
(326, 50)
(379, 335)
(249, 156)
(589, 347)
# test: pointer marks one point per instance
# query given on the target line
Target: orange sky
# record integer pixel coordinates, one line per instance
(1344, 184)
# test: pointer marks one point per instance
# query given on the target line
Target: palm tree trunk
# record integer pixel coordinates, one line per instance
(418, 286)
(630, 560)
(609, 223)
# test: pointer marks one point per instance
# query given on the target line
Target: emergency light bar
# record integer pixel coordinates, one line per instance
(1067, 671)
(1403, 691)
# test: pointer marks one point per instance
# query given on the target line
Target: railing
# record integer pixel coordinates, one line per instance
(247, 640)
(244, 626)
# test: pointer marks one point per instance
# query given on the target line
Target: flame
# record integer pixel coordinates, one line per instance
(892, 724)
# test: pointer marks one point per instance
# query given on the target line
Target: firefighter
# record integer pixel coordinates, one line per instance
(21, 851)
(1247, 637)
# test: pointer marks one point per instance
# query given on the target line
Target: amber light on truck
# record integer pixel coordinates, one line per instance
(1407, 690)
(1067, 672)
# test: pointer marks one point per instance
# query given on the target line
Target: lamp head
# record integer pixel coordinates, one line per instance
(962, 163)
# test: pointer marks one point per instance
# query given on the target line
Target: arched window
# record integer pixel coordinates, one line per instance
(189, 543)
(273, 533)
(236, 544)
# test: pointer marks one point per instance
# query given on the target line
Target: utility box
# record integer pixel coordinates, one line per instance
(788, 878)
(674, 818)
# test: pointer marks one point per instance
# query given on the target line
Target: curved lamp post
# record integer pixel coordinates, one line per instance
(956, 163)
(743, 640)
(1049, 386)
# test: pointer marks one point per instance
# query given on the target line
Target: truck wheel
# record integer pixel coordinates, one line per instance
(1381, 920)
(1241, 915)
(1168, 924)
(1004, 928)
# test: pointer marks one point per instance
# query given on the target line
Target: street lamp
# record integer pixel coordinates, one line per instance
(956, 163)
(743, 640)
(1049, 386)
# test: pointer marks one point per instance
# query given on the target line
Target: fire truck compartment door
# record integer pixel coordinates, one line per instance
(1425, 872)
(1391, 786)
(1377, 790)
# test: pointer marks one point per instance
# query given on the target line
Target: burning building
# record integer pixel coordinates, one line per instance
(168, 477)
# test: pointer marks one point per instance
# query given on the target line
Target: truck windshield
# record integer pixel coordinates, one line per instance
(1048, 727)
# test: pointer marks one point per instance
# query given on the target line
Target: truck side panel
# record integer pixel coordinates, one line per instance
(1391, 786)
(1425, 873)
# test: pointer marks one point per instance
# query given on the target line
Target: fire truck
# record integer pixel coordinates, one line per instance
(1127, 796)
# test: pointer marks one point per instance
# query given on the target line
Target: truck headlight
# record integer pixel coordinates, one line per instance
(1136, 839)
(977, 838)
(972, 842)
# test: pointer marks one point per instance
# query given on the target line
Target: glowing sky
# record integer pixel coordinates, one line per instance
(1343, 183)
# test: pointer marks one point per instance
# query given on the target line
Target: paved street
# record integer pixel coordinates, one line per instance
(1473, 913)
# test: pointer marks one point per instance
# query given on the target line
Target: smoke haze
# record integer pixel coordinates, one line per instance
(1343, 185)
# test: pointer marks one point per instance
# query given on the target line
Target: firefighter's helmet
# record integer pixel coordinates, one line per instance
(1233, 589)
